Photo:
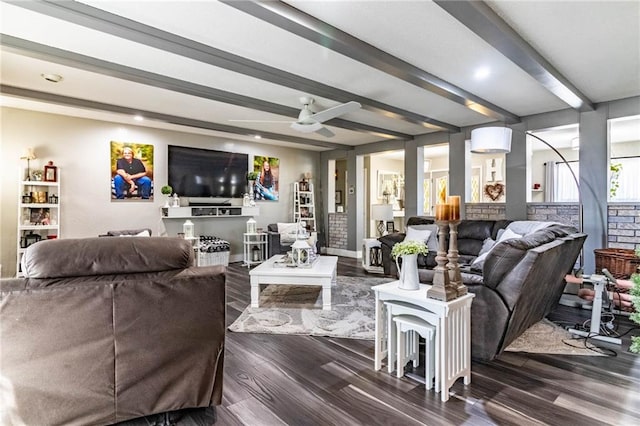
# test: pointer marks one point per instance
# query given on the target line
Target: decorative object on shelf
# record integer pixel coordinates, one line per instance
(176, 201)
(166, 191)
(28, 155)
(53, 199)
(251, 226)
(36, 175)
(252, 176)
(246, 200)
(255, 253)
(409, 251)
(26, 199)
(50, 172)
(381, 213)
(39, 197)
(30, 238)
(188, 229)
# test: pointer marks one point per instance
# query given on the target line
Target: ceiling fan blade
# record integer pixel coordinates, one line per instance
(306, 128)
(262, 121)
(325, 132)
(330, 113)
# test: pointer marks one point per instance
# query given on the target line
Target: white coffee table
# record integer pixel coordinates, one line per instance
(322, 273)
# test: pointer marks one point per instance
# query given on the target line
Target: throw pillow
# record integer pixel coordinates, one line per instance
(289, 232)
(432, 241)
(487, 245)
(414, 234)
(478, 262)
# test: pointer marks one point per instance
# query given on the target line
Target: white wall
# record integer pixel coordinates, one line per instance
(80, 148)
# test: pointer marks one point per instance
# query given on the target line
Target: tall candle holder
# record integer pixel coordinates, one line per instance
(455, 279)
(441, 288)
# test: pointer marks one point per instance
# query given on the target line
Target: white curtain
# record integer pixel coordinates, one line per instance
(549, 182)
(629, 188)
(560, 186)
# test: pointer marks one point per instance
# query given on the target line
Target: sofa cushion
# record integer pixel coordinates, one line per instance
(77, 257)
(289, 232)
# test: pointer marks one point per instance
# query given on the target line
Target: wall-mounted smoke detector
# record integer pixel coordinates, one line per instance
(53, 78)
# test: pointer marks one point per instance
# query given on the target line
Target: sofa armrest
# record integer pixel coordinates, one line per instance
(273, 241)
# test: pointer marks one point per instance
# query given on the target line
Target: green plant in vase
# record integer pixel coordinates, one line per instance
(635, 298)
(166, 190)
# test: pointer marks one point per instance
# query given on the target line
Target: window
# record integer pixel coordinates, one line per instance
(623, 179)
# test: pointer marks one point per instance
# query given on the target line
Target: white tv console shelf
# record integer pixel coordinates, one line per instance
(209, 211)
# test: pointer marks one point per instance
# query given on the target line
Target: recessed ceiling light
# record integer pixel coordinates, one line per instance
(482, 73)
(53, 78)
(257, 137)
(138, 118)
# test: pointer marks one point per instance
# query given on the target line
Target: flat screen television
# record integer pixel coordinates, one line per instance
(195, 172)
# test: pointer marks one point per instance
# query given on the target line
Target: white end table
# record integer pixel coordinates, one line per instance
(372, 256)
(254, 240)
(322, 273)
(453, 331)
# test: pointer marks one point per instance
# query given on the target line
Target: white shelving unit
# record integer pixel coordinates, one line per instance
(38, 214)
(304, 206)
(255, 248)
(209, 211)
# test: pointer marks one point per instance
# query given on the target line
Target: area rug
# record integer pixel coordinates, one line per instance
(286, 309)
(545, 337)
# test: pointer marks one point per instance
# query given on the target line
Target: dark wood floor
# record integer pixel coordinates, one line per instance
(303, 380)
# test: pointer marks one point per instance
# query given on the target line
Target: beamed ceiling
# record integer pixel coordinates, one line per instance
(237, 69)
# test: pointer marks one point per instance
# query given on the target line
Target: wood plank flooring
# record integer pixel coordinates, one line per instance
(304, 380)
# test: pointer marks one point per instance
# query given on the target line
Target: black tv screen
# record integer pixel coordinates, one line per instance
(197, 172)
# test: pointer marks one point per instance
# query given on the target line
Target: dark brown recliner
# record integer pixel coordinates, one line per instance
(110, 329)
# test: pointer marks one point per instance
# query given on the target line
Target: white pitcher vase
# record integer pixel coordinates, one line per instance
(409, 272)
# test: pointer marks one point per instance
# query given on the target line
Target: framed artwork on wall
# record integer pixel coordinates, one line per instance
(131, 171)
(267, 184)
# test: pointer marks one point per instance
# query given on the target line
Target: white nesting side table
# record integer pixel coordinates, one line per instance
(453, 331)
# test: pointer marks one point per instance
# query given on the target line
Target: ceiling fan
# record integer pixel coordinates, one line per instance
(309, 122)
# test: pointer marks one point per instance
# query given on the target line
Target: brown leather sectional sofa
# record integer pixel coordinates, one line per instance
(110, 329)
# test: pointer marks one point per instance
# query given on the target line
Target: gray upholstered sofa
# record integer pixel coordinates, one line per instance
(519, 282)
(109, 329)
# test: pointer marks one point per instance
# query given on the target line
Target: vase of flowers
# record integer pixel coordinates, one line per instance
(251, 179)
(408, 251)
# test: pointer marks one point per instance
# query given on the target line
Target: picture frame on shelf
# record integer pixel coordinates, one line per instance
(40, 216)
(50, 172)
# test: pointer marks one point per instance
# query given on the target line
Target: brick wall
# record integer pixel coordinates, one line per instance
(338, 230)
(566, 213)
(624, 225)
(623, 218)
(480, 211)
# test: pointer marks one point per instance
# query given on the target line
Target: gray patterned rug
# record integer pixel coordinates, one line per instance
(286, 309)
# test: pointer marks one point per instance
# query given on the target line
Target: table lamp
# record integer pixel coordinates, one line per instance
(381, 213)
